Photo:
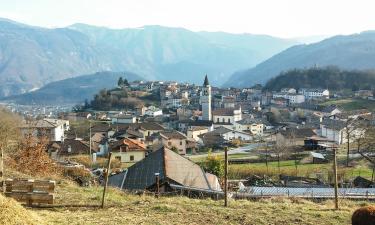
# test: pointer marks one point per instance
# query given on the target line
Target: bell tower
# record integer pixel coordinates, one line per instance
(206, 100)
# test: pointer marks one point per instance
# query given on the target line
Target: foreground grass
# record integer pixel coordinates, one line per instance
(133, 209)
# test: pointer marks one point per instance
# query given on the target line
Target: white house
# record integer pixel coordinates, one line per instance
(289, 90)
(53, 129)
(123, 118)
(314, 93)
(153, 111)
(227, 115)
(293, 98)
(229, 134)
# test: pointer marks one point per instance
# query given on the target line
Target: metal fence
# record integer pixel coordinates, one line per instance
(351, 193)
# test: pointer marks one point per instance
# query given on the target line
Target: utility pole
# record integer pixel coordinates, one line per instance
(335, 177)
(226, 178)
(90, 140)
(157, 182)
(106, 173)
(2, 170)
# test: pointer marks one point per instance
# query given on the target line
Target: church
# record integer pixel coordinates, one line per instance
(220, 116)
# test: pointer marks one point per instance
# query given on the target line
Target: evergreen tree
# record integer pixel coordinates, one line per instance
(120, 82)
(126, 83)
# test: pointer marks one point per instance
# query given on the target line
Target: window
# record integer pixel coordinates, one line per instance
(228, 120)
(217, 120)
(169, 143)
(132, 158)
(118, 158)
(223, 120)
(180, 142)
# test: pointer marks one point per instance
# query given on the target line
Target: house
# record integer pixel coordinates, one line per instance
(331, 110)
(174, 139)
(68, 147)
(171, 169)
(211, 139)
(229, 134)
(128, 150)
(227, 115)
(153, 111)
(314, 93)
(185, 125)
(335, 130)
(294, 136)
(99, 143)
(53, 129)
(289, 90)
(292, 98)
(149, 128)
(123, 118)
(194, 132)
(254, 126)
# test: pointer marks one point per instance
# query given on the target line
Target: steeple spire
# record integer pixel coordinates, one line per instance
(206, 81)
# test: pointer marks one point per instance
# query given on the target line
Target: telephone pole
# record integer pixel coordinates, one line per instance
(226, 178)
(335, 177)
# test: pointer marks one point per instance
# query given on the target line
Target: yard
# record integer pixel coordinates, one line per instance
(133, 209)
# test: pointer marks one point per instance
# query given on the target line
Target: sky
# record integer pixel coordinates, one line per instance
(281, 18)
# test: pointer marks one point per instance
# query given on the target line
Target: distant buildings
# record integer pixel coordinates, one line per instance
(314, 93)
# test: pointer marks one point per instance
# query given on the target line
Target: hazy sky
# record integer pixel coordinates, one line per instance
(283, 18)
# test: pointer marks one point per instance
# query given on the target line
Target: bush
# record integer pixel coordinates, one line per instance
(214, 165)
(80, 175)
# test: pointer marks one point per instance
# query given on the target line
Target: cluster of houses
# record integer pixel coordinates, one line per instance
(190, 118)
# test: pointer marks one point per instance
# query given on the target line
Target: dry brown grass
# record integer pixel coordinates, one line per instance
(12, 213)
(133, 209)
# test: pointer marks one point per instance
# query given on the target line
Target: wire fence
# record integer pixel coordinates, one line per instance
(351, 193)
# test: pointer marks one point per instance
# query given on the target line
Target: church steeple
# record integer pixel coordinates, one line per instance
(206, 100)
(206, 81)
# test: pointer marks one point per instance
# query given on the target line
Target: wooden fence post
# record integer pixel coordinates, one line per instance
(106, 171)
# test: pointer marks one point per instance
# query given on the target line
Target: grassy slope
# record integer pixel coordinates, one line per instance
(352, 104)
(133, 209)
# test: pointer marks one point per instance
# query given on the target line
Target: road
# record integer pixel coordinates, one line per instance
(244, 149)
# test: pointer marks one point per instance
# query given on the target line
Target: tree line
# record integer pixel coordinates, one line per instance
(330, 77)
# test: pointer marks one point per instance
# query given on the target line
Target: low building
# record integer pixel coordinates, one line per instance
(172, 170)
(226, 115)
(229, 134)
(314, 93)
(122, 118)
(294, 136)
(68, 147)
(153, 111)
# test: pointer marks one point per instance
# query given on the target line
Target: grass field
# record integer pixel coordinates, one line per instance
(133, 209)
(352, 104)
(240, 171)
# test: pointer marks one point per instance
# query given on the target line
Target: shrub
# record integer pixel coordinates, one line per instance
(214, 165)
(80, 175)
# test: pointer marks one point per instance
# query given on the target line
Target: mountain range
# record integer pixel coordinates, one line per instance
(31, 57)
(350, 52)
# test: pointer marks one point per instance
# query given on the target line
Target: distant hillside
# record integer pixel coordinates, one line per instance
(73, 90)
(329, 77)
(31, 57)
(347, 52)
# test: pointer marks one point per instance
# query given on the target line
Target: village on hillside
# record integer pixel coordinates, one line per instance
(169, 138)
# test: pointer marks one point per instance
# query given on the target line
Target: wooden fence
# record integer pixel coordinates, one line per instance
(30, 191)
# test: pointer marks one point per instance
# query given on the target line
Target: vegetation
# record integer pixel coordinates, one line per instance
(327, 77)
(214, 165)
